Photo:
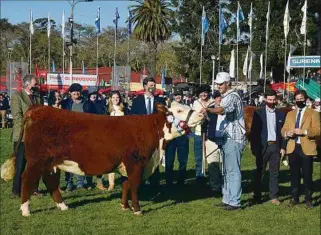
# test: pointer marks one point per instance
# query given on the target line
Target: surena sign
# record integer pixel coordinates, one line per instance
(307, 61)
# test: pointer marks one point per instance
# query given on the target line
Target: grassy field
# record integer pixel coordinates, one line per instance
(186, 210)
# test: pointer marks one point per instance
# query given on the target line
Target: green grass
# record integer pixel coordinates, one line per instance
(187, 210)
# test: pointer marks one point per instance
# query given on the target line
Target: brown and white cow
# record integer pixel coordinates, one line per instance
(88, 144)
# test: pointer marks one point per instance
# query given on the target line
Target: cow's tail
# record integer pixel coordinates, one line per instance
(8, 168)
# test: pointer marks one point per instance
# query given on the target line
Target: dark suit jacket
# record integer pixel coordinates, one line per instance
(139, 106)
(259, 131)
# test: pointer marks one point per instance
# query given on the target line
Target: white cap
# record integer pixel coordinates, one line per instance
(222, 77)
(317, 100)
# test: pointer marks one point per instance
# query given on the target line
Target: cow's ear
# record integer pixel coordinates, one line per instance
(160, 107)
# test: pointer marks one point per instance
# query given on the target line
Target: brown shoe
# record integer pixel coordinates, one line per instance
(111, 187)
(101, 187)
(275, 202)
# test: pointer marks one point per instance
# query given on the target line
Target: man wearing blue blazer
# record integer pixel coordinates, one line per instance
(268, 145)
(146, 104)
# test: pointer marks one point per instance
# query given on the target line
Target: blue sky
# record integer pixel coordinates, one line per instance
(84, 13)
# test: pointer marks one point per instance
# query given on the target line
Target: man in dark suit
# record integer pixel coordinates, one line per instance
(268, 145)
(146, 104)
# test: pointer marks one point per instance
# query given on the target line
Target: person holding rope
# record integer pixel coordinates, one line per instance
(233, 141)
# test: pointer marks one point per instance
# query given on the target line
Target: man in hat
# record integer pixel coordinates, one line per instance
(233, 135)
(76, 103)
(20, 102)
(181, 145)
(202, 102)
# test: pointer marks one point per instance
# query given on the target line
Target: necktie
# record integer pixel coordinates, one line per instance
(149, 106)
(297, 123)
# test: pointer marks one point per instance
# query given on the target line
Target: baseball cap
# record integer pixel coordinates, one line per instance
(222, 77)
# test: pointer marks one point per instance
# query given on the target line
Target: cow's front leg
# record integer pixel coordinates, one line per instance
(125, 191)
(134, 182)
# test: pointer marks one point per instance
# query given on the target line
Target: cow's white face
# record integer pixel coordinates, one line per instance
(185, 113)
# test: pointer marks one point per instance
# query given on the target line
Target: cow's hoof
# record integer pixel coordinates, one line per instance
(25, 209)
(62, 206)
(124, 208)
(138, 213)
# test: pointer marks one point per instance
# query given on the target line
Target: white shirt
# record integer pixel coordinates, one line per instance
(151, 101)
(296, 116)
(271, 124)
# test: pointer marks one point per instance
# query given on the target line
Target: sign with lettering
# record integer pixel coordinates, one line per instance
(312, 61)
(63, 80)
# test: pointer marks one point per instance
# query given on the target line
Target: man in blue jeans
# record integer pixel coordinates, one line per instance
(233, 141)
(181, 144)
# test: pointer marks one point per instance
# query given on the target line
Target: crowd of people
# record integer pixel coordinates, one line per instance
(219, 140)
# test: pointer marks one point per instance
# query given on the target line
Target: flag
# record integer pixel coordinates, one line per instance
(251, 61)
(37, 71)
(63, 25)
(48, 25)
(303, 28)
(223, 25)
(83, 67)
(181, 77)
(292, 49)
(31, 29)
(232, 64)
(246, 62)
(267, 22)
(286, 20)
(163, 77)
(261, 63)
(205, 26)
(239, 18)
(116, 18)
(97, 21)
(130, 16)
(53, 66)
(250, 22)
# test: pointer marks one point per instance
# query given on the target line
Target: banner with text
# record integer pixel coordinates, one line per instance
(65, 80)
(307, 61)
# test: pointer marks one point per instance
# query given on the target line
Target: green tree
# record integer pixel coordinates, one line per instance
(152, 19)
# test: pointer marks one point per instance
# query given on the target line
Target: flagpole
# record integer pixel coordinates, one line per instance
(219, 41)
(128, 63)
(114, 78)
(30, 59)
(97, 59)
(48, 32)
(284, 75)
(304, 51)
(63, 56)
(201, 47)
(250, 72)
(266, 44)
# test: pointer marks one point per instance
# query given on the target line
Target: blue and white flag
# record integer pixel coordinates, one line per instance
(223, 25)
(116, 18)
(31, 28)
(63, 25)
(83, 67)
(163, 77)
(239, 18)
(53, 66)
(97, 21)
(129, 22)
(48, 25)
(303, 28)
(267, 23)
(205, 26)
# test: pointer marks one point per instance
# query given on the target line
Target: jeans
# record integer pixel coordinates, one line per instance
(232, 179)
(80, 180)
(198, 153)
(181, 144)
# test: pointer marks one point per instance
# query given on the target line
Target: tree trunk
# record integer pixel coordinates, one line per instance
(154, 60)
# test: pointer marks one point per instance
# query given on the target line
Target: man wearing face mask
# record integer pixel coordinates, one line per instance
(267, 145)
(146, 104)
(301, 127)
(20, 102)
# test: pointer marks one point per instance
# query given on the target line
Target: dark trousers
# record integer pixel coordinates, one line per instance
(20, 167)
(271, 156)
(181, 144)
(298, 160)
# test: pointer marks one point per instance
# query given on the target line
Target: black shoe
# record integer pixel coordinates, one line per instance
(294, 202)
(308, 205)
(231, 208)
(222, 205)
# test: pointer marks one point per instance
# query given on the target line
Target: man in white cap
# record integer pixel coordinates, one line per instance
(233, 141)
(317, 106)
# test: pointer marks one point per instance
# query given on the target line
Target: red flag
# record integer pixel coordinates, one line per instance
(181, 78)
(144, 71)
(37, 71)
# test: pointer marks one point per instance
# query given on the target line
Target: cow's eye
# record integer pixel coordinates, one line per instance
(179, 111)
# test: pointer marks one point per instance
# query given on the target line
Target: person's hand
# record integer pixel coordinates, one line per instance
(282, 152)
(299, 131)
(203, 110)
(290, 133)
